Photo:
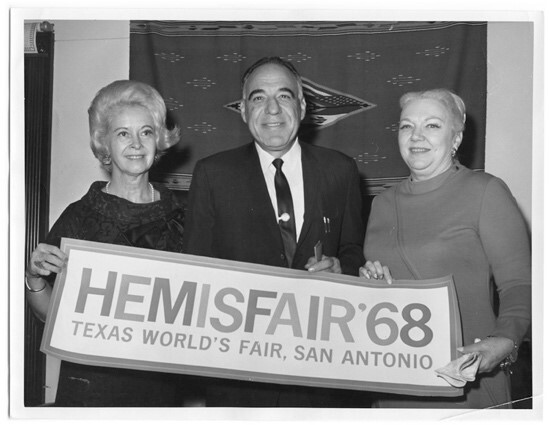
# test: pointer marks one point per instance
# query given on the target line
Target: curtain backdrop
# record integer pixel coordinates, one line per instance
(354, 74)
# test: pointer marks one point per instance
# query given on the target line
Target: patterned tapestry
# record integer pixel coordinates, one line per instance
(354, 74)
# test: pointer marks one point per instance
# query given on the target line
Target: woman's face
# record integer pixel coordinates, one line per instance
(426, 138)
(132, 141)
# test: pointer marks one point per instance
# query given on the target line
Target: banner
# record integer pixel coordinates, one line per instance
(152, 310)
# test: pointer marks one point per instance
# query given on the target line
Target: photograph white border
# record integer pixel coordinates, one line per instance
(13, 183)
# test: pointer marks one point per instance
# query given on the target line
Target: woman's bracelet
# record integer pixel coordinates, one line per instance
(509, 359)
(506, 363)
(34, 291)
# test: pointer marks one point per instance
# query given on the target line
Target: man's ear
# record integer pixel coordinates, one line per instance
(242, 108)
(303, 106)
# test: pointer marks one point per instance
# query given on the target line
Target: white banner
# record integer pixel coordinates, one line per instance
(134, 308)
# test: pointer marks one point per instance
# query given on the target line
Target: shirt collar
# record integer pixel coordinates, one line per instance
(291, 158)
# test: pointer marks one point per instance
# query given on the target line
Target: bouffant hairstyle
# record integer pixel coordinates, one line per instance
(117, 96)
(452, 102)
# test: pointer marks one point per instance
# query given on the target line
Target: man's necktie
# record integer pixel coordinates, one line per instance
(285, 215)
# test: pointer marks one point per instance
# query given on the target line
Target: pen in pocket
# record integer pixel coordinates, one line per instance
(326, 222)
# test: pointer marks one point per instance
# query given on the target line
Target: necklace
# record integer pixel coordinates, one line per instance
(150, 185)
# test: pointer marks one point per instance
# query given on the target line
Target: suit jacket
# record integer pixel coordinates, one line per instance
(230, 214)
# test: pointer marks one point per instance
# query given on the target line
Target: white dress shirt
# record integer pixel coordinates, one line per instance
(292, 169)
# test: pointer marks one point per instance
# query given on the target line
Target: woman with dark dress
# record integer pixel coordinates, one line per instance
(446, 219)
(127, 134)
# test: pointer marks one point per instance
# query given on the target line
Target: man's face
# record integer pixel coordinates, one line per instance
(273, 106)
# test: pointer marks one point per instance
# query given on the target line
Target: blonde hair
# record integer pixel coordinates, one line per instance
(121, 94)
(452, 102)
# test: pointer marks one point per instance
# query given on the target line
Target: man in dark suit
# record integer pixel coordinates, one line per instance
(232, 211)
(247, 205)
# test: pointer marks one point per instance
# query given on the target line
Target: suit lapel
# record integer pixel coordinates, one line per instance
(312, 191)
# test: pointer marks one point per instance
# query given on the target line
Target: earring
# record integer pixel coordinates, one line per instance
(453, 152)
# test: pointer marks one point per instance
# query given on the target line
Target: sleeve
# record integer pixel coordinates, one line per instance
(66, 226)
(198, 234)
(350, 251)
(505, 238)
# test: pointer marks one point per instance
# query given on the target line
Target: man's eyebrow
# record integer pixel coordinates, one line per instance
(255, 92)
(289, 91)
(261, 91)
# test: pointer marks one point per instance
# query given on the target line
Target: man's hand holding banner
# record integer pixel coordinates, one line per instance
(143, 309)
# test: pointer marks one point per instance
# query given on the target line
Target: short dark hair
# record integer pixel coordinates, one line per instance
(273, 60)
